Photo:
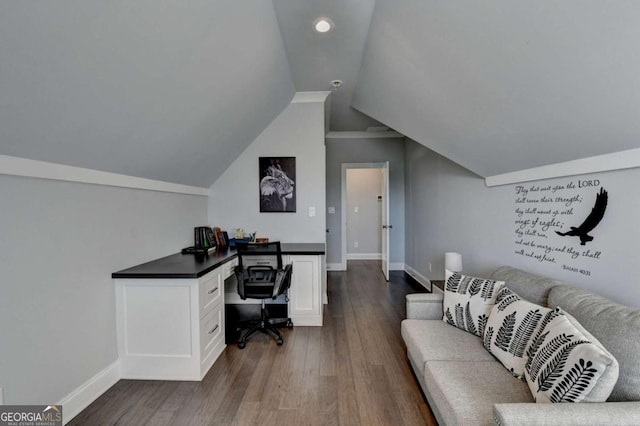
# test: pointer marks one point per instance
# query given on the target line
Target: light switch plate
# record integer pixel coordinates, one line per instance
(356, 209)
(312, 211)
(332, 210)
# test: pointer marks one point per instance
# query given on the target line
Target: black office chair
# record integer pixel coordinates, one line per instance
(260, 275)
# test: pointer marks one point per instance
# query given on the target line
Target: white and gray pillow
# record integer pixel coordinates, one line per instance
(512, 324)
(567, 364)
(468, 301)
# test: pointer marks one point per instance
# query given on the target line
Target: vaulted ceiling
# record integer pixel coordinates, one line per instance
(175, 91)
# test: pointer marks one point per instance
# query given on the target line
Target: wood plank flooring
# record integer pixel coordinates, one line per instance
(351, 371)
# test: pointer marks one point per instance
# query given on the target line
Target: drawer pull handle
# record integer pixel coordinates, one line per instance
(213, 330)
(212, 290)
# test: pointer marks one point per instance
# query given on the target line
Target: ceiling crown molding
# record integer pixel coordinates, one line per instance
(364, 135)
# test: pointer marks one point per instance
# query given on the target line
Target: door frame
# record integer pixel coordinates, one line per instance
(343, 207)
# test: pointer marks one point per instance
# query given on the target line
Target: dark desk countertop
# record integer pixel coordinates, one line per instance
(188, 266)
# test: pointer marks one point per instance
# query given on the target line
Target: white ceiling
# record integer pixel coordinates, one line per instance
(175, 91)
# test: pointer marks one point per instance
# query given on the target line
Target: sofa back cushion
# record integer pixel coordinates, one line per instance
(533, 288)
(616, 326)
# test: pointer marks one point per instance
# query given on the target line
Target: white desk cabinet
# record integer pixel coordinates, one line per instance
(170, 312)
(171, 329)
(305, 294)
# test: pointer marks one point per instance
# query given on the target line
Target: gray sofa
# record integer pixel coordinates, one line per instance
(465, 385)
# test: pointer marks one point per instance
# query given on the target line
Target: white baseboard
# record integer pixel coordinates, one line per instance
(364, 256)
(336, 267)
(424, 281)
(92, 389)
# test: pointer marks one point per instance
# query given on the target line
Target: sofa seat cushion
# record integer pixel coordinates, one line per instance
(466, 391)
(434, 340)
(616, 326)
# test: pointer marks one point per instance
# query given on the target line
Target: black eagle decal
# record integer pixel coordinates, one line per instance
(594, 218)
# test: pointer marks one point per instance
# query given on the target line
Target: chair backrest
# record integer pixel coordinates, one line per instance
(259, 254)
(259, 273)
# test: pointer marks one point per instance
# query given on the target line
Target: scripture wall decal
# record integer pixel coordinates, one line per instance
(594, 218)
(546, 217)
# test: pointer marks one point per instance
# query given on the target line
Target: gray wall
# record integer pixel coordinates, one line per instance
(234, 201)
(60, 243)
(363, 188)
(451, 209)
(365, 151)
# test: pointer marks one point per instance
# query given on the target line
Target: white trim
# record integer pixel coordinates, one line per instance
(92, 389)
(424, 281)
(343, 200)
(364, 135)
(336, 267)
(306, 97)
(17, 166)
(364, 256)
(600, 163)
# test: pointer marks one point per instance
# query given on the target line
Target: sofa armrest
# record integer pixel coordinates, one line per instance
(426, 306)
(585, 413)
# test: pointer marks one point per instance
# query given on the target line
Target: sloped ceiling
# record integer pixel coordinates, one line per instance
(505, 85)
(317, 59)
(163, 90)
(176, 90)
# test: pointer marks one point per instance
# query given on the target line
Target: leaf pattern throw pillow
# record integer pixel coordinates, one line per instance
(512, 324)
(566, 364)
(468, 301)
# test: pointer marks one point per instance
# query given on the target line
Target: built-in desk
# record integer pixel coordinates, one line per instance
(170, 312)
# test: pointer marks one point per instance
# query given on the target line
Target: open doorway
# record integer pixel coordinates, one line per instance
(365, 212)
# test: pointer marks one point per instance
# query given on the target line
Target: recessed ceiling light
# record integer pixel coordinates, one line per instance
(323, 25)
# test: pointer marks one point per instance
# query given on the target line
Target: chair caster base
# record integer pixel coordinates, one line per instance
(241, 345)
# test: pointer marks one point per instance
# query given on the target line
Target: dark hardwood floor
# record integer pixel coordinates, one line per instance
(351, 371)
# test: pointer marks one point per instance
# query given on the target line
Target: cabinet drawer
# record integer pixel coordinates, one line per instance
(211, 291)
(211, 330)
(228, 268)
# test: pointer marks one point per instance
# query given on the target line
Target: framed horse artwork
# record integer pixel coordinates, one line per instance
(277, 184)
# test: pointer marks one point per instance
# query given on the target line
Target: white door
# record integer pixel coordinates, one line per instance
(385, 220)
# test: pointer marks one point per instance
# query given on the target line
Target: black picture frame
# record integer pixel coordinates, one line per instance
(277, 184)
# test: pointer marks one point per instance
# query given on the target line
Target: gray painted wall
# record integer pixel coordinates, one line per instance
(365, 151)
(451, 209)
(234, 198)
(60, 243)
(363, 188)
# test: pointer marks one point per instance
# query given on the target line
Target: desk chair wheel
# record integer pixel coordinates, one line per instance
(289, 323)
(241, 345)
(279, 341)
